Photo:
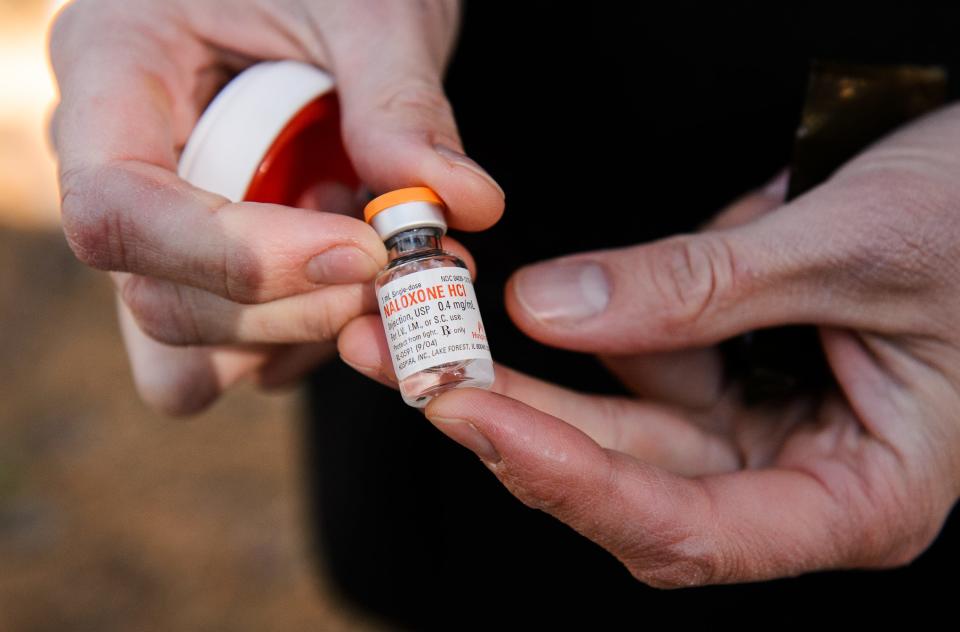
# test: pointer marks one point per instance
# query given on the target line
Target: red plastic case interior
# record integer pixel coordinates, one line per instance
(307, 152)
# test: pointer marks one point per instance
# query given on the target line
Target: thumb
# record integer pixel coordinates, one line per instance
(398, 126)
(800, 263)
(669, 530)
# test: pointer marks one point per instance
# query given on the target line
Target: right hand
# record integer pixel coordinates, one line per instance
(212, 291)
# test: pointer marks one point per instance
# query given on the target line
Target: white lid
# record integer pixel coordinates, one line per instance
(407, 215)
(242, 122)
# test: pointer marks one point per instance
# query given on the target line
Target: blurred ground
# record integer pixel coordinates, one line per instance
(113, 518)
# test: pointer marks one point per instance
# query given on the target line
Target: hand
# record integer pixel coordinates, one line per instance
(683, 483)
(212, 291)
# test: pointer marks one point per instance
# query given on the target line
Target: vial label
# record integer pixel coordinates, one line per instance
(430, 318)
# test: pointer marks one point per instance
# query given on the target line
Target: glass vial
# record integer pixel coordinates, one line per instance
(427, 301)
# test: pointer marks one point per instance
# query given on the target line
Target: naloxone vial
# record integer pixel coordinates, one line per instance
(426, 298)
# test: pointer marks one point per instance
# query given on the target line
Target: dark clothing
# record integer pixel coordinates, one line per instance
(618, 129)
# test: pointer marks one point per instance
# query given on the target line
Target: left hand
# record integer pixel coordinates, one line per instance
(684, 484)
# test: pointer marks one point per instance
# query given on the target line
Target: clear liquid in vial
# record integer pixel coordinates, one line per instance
(419, 388)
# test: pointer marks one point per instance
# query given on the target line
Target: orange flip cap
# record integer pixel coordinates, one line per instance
(399, 196)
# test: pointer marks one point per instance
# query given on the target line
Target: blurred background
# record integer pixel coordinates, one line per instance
(112, 517)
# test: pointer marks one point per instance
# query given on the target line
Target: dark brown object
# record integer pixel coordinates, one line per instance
(847, 107)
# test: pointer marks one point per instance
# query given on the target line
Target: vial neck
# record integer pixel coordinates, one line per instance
(413, 241)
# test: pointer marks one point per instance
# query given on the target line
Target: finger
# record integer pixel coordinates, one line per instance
(654, 433)
(802, 263)
(179, 315)
(398, 126)
(181, 381)
(670, 531)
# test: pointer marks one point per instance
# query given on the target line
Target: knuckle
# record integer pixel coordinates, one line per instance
(691, 275)
(88, 227)
(677, 558)
(99, 234)
(161, 311)
(242, 274)
(680, 555)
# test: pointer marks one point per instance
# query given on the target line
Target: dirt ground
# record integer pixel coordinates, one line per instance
(114, 518)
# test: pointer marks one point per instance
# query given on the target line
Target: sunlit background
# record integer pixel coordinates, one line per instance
(111, 517)
(27, 181)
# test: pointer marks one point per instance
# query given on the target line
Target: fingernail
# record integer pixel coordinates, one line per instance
(467, 435)
(341, 264)
(468, 163)
(567, 292)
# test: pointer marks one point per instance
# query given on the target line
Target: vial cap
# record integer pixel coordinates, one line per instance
(403, 209)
